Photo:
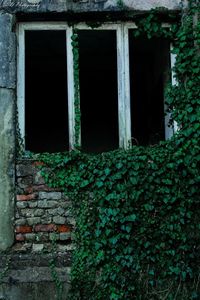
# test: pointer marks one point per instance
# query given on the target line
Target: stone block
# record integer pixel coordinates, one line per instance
(56, 211)
(47, 203)
(32, 204)
(27, 212)
(37, 247)
(30, 236)
(33, 221)
(38, 212)
(25, 169)
(59, 220)
(38, 179)
(46, 220)
(65, 236)
(21, 204)
(54, 236)
(19, 238)
(25, 182)
(21, 221)
(50, 195)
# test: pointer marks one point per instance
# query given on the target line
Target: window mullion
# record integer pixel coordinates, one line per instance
(121, 86)
(21, 82)
(126, 81)
(70, 79)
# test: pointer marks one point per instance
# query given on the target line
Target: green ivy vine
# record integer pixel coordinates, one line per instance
(137, 211)
(76, 87)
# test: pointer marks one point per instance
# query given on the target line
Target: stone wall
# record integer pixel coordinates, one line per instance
(42, 214)
(58, 6)
(31, 276)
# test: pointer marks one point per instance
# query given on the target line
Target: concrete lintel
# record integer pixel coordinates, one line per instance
(43, 6)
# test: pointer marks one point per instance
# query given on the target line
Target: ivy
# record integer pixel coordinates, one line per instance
(137, 211)
(76, 87)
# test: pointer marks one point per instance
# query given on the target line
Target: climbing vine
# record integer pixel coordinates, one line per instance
(137, 211)
(76, 88)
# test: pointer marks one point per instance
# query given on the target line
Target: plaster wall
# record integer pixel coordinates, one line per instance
(7, 132)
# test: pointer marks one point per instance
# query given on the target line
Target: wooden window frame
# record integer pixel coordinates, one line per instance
(123, 77)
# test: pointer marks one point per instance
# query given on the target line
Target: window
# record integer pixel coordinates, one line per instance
(122, 80)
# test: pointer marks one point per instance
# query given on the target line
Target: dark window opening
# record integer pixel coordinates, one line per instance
(46, 113)
(98, 90)
(149, 66)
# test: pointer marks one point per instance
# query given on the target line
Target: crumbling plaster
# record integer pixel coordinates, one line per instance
(43, 6)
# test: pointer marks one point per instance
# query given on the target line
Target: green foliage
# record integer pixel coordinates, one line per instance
(137, 211)
(76, 88)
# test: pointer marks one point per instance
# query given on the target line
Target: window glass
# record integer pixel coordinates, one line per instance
(46, 114)
(149, 67)
(98, 90)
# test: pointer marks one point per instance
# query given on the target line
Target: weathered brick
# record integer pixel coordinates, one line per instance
(40, 187)
(56, 211)
(32, 204)
(64, 204)
(46, 220)
(19, 237)
(50, 195)
(38, 212)
(71, 221)
(21, 221)
(37, 247)
(24, 170)
(63, 228)
(42, 237)
(47, 203)
(59, 220)
(26, 197)
(27, 212)
(45, 228)
(21, 204)
(23, 229)
(38, 179)
(54, 236)
(30, 236)
(65, 236)
(38, 163)
(23, 182)
(33, 221)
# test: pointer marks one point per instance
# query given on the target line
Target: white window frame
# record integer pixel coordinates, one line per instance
(123, 77)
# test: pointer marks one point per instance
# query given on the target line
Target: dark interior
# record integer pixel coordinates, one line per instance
(98, 90)
(149, 66)
(46, 121)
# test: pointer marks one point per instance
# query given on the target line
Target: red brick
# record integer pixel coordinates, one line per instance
(19, 237)
(45, 227)
(29, 190)
(63, 228)
(26, 197)
(23, 229)
(38, 163)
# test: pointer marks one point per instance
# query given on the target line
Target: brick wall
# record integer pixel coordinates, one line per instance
(42, 214)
